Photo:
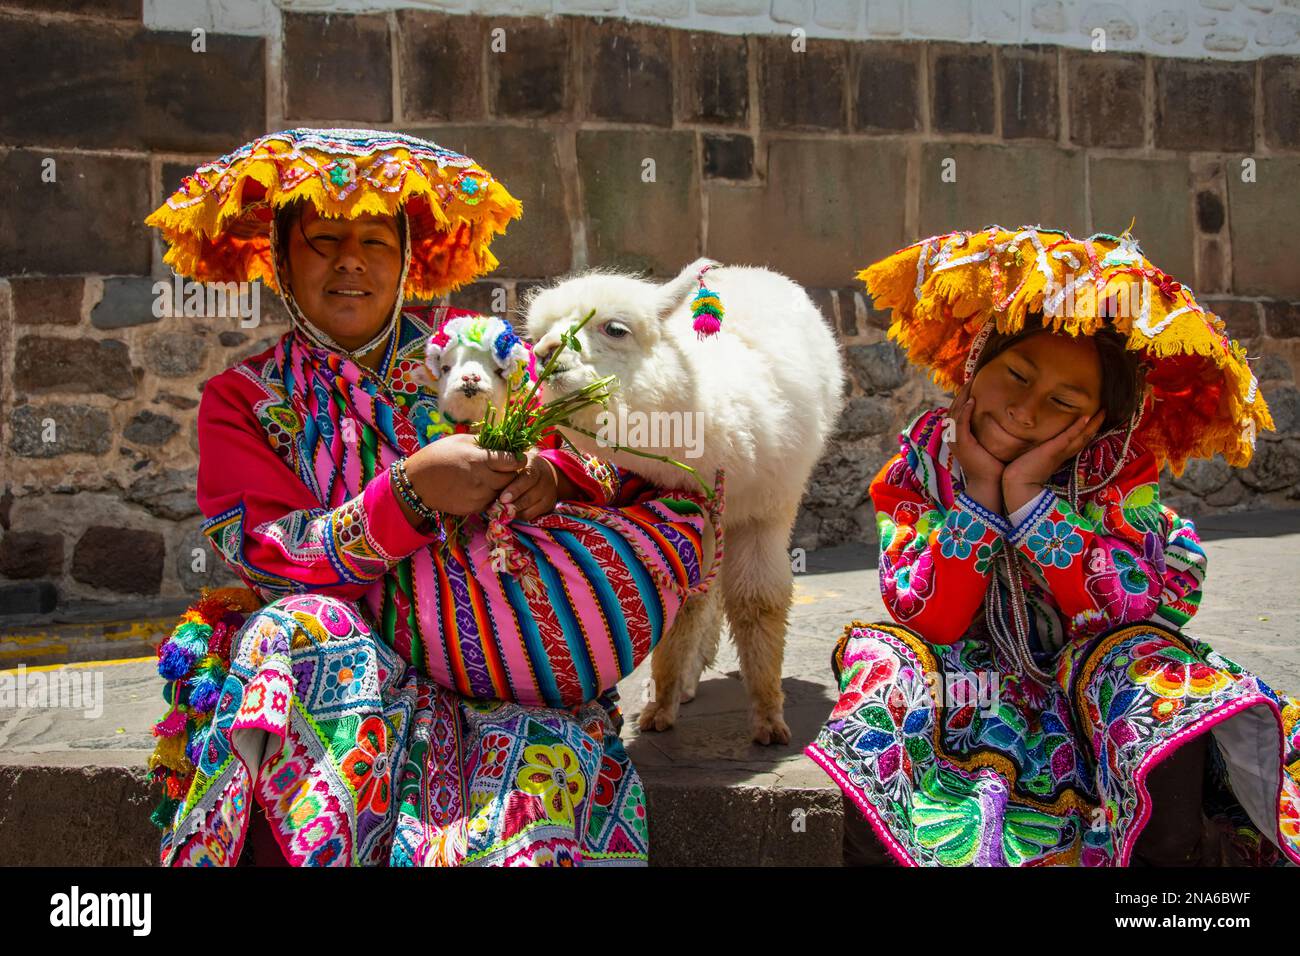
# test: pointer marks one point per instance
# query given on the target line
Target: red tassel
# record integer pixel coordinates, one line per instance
(171, 725)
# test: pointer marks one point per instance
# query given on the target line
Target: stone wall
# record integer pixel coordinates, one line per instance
(813, 162)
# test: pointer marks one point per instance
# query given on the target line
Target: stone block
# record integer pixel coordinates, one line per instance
(631, 222)
(803, 90)
(124, 560)
(50, 430)
(99, 200)
(48, 301)
(961, 89)
(887, 82)
(828, 208)
(1205, 106)
(713, 78)
(628, 73)
(532, 76)
(337, 67)
(441, 59)
(1155, 191)
(1263, 213)
(1030, 98)
(76, 366)
(1107, 99)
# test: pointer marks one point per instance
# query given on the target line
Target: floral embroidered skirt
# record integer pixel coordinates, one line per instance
(953, 769)
(357, 759)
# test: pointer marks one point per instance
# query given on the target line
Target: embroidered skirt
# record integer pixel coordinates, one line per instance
(358, 759)
(954, 767)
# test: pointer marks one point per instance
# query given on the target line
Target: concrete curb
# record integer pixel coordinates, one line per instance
(99, 816)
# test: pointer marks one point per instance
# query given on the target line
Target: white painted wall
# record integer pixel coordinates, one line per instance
(1222, 29)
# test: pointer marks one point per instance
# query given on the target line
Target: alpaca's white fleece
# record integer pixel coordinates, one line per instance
(770, 384)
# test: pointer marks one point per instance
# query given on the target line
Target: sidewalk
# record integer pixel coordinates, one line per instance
(73, 790)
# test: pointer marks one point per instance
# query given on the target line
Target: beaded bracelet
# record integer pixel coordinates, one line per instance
(406, 491)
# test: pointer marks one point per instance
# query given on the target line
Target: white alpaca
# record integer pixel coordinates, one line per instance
(766, 390)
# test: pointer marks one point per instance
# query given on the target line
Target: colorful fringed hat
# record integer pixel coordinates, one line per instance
(217, 225)
(949, 292)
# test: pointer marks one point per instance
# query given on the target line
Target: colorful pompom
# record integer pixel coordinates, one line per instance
(174, 661)
(205, 693)
(707, 311)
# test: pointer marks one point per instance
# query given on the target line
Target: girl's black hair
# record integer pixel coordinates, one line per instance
(1122, 376)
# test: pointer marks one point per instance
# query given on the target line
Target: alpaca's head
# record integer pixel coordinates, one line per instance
(469, 362)
(626, 336)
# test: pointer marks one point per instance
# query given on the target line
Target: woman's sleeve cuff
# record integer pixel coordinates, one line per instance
(386, 525)
(992, 519)
(580, 473)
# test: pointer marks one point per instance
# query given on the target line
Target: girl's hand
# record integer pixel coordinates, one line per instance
(983, 472)
(536, 488)
(456, 476)
(1024, 478)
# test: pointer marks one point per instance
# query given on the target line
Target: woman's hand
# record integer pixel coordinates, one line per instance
(536, 488)
(1023, 479)
(456, 476)
(982, 472)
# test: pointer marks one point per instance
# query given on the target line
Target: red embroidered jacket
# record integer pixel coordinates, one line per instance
(1121, 557)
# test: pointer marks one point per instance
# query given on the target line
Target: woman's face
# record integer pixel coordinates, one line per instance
(347, 284)
(1033, 391)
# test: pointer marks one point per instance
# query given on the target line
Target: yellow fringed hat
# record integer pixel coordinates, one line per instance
(217, 225)
(949, 292)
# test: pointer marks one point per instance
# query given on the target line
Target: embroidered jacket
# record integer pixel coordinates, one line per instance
(1121, 557)
(270, 485)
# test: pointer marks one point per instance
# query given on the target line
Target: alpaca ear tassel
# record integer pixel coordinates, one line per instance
(707, 309)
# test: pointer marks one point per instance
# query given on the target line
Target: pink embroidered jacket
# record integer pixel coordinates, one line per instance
(286, 533)
(1121, 557)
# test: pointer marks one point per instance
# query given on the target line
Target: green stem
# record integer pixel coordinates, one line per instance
(645, 454)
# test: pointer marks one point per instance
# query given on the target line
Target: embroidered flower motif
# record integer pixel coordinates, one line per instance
(343, 677)
(896, 733)
(985, 554)
(1165, 708)
(553, 774)
(875, 667)
(341, 172)
(1131, 576)
(1167, 670)
(1055, 543)
(1122, 588)
(496, 751)
(470, 188)
(366, 767)
(611, 772)
(958, 533)
(912, 584)
(558, 855)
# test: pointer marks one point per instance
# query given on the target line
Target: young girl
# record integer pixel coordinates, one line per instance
(1036, 702)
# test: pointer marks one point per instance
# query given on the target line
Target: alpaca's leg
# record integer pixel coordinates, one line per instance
(706, 645)
(757, 587)
(671, 661)
(673, 666)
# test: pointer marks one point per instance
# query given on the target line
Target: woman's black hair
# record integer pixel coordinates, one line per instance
(286, 217)
(1122, 376)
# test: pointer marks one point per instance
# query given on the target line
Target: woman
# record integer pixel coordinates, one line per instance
(1034, 700)
(393, 696)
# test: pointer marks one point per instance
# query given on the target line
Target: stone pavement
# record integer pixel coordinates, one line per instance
(72, 789)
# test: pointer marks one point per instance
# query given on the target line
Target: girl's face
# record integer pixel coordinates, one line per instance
(1033, 391)
(347, 284)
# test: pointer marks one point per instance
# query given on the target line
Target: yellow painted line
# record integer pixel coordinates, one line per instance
(51, 667)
